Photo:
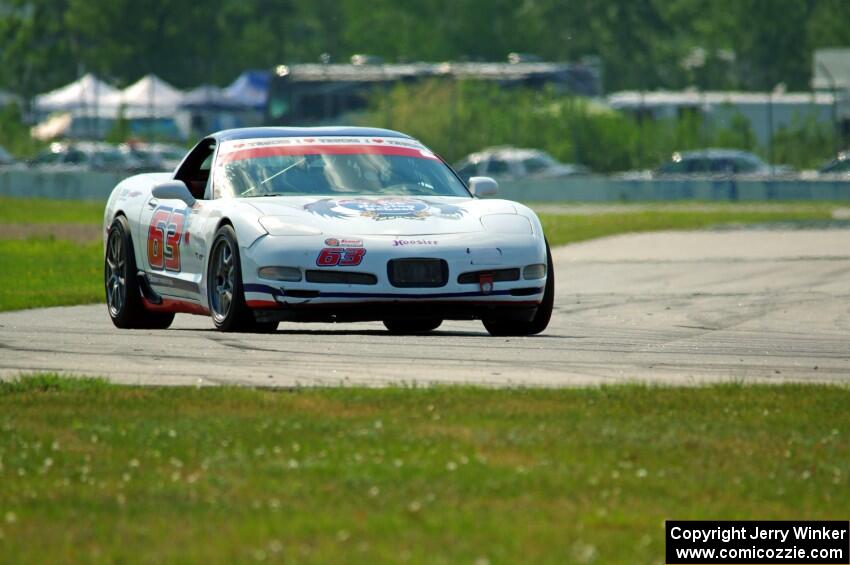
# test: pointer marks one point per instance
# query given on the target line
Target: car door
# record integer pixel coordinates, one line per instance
(164, 235)
(171, 257)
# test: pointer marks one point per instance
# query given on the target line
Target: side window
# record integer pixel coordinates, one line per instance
(673, 167)
(722, 166)
(535, 165)
(745, 166)
(467, 171)
(697, 165)
(75, 157)
(497, 167)
(207, 165)
(195, 170)
(841, 166)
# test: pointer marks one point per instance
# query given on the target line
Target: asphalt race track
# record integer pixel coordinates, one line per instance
(679, 308)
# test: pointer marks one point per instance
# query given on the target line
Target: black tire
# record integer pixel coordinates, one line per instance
(541, 317)
(410, 327)
(123, 296)
(224, 276)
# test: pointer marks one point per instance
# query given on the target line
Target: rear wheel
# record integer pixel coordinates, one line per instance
(123, 296)
(224, 287)
(408, 327)
(541, 317)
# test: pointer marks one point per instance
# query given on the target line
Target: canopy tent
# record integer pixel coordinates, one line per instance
(88, 93)
(208, 97)
(250, 89)
(149, 96)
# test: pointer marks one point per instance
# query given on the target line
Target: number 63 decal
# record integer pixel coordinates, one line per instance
(164, 236)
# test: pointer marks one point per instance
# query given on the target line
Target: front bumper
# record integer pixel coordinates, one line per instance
(464, 253)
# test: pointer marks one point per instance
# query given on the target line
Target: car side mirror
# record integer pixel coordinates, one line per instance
(483, 186)
(173, 190)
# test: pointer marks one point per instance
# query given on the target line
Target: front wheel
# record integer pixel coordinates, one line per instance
(541, 317)
(410, 327)
(225, 292)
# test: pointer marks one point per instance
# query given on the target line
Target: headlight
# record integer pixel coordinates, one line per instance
(534, 271)
(506, 223)
(290, 274)
(284, 225)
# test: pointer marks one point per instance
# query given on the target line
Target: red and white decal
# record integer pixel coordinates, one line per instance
(340, 256)
(164, 235)
(350, 242)
(322, 146)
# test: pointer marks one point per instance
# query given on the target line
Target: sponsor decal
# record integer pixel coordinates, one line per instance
(384, 208)
(403, 242)
(259, 148)
(164, 235)
(340, 257)
(344, 242)
(485, 283)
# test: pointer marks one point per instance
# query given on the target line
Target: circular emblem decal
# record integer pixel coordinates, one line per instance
(386, 207)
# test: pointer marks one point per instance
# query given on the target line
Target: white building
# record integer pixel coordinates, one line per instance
(766, 111)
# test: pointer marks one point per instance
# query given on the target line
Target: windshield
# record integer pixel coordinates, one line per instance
(323, 166)
(538, 163)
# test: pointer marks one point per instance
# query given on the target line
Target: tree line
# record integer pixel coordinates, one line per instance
(642, 44)
(458, 118)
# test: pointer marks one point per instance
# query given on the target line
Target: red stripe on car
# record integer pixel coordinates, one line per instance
(272, 151)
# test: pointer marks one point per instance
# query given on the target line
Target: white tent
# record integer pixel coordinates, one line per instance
(149, 96)
(250, 89)
(88, 94)
(208, 97)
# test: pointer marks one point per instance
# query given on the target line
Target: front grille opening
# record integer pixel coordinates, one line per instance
(499, 275)
(526, 291)
(418, 273)
(301, 293)
(340, 277)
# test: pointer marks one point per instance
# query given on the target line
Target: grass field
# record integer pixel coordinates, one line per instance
(48, 272)
(97, 472)
(42, 210)
(51, 272)
(571, 228)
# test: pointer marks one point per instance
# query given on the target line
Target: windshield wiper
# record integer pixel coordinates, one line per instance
(277, 174)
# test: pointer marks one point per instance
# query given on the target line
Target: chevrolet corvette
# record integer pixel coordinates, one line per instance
(262, 225)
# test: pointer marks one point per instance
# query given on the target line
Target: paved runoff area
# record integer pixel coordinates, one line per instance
(677, 308)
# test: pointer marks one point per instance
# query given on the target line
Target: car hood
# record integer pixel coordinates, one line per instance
(383, 215)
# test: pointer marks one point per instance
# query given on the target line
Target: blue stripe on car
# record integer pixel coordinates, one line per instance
(277, 292)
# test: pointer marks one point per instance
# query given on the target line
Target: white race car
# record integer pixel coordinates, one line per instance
(263, 225)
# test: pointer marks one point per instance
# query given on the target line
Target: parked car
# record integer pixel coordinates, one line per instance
(840, 166)
(717, 162)
(6, 158)
(84, 156)
(153, 157)
(509, 163)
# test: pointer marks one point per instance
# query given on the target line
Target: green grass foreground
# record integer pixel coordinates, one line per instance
(98, 472)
